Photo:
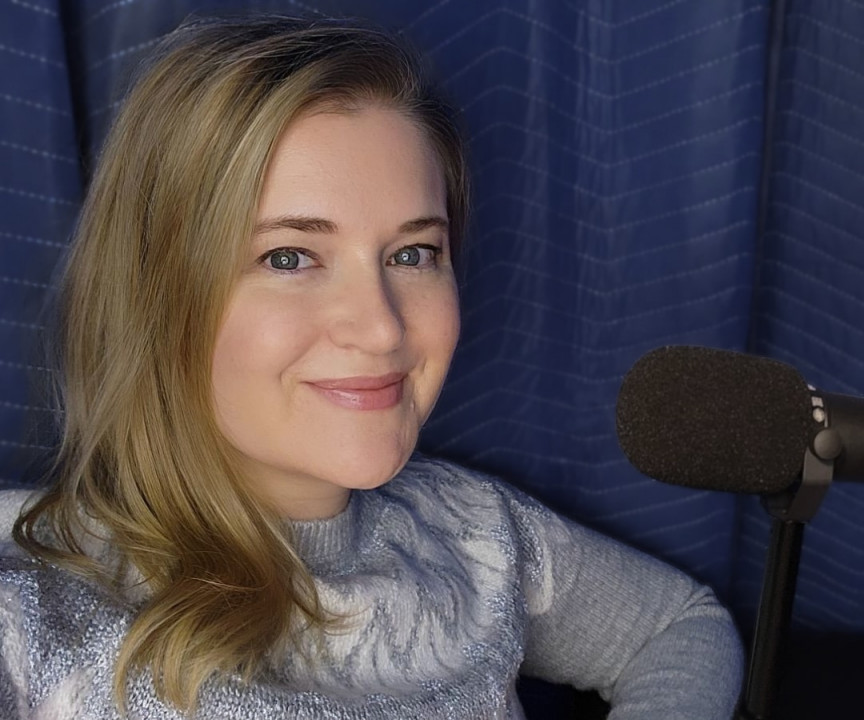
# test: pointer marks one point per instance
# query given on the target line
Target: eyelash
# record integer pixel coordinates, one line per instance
(435, 250)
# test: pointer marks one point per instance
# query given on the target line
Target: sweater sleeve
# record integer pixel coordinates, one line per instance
(654, 643)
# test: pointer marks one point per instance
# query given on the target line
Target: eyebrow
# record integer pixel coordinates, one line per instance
(328, 227)
(423, 223)
(293, 222)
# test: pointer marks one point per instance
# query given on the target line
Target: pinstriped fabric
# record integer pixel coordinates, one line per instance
(811, 296)
(39, 195)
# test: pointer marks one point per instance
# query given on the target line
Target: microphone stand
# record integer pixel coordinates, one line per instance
(790, 510)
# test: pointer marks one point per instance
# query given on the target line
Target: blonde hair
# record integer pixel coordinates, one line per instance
(141, 461)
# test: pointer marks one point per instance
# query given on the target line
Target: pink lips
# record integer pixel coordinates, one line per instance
(362, 392)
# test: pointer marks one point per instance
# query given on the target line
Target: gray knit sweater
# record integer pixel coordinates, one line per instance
(455, 583)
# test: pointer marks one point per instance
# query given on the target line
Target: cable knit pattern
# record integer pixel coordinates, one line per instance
(453, 583)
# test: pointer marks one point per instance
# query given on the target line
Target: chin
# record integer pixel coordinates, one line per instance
(370, 473)
(369, 460)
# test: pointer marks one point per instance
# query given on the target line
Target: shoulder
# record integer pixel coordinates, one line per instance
(47, 595)
(58, 635)
(19, 592)
(19, 576)
(11, 502)
(56, 608)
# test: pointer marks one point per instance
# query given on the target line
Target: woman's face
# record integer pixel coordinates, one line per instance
(340, 328)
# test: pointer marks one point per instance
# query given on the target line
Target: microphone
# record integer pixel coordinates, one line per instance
(721, 420)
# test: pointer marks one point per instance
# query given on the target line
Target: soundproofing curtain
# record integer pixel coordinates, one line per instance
(645, 173)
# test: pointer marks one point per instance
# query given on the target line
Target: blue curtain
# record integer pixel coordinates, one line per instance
(618, 150)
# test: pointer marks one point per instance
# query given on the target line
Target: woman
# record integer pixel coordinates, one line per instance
(258, 315)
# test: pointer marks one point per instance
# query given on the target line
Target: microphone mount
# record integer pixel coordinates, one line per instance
(791, 510)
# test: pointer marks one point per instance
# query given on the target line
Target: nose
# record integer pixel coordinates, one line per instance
(367, 316)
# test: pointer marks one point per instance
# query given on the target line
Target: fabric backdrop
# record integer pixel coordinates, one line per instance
(632, 188)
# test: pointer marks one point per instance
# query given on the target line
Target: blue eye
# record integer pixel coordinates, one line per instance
(415, 256)
(289, 260)
(284, 259)
(407, 256)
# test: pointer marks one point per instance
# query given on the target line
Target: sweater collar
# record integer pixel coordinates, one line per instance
(320, 541)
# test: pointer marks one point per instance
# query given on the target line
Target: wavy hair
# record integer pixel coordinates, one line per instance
(142, 464)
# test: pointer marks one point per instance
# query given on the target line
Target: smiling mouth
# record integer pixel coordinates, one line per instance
(362, 392)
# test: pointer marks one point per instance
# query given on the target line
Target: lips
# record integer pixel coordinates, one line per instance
(362, 392)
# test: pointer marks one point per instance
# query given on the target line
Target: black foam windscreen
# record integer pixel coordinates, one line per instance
(715, 419)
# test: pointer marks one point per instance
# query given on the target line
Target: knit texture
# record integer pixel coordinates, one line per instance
(453, 584)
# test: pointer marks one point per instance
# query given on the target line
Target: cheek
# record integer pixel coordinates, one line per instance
(435, 330)
(260, 338)
(451, 315)
(449, 326)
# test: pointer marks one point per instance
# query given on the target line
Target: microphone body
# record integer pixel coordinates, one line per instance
(722, 420)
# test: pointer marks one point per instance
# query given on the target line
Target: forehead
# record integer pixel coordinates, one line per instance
(349, 165)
